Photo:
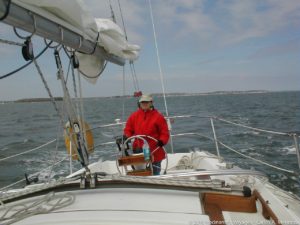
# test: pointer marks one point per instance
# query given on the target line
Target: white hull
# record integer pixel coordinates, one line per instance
(130, 202)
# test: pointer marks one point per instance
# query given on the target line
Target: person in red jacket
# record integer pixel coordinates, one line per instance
(148, 121)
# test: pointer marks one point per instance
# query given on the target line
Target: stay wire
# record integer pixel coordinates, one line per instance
(124, 92)
(133, 79)
(74, 82)
(11, 42)
(54, 158)
(48, 89)
(112, 12)
(134, 74)
(69, 66)
(122, 18)
(82, 116)
(75, 88)
(158, 58)
(160, 69)
(27, 64)
(71, 113)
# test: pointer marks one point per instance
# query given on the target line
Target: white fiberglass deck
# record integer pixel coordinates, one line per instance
(126, 206)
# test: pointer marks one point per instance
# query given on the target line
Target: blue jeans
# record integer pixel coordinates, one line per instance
(156, 168)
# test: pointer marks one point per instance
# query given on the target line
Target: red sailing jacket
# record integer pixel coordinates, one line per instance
(151, 123)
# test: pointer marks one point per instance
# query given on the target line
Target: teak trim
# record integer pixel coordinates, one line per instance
(215, 203)
(146, 172)
(267, 211)
(132, 160)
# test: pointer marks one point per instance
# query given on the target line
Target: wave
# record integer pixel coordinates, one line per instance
(289, 150)
(243, 134)
(4, 149)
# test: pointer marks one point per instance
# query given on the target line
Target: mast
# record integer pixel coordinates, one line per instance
(62, 33)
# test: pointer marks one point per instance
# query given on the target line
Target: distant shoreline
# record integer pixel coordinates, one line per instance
(28, 100)
(38, 99)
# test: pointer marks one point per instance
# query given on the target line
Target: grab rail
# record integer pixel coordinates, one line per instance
(214, 173)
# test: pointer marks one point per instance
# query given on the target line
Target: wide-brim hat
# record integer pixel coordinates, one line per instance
(146, 98)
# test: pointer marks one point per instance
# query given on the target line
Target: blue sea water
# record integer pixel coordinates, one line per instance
(25, 126)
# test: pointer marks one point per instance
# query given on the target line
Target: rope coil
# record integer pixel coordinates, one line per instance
(43, 205)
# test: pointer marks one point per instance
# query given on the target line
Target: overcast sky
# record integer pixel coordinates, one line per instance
(204, 46)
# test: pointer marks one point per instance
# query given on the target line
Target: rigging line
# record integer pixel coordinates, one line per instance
(82, 127)
(75, 89)
(82, 73)
(13, 184)
(6, 11)
(74, 82)
(134, 76)
(134, 80)
(11, 42)
(252, 128)
(158, 58)
(55, 46)
(56, 151)
(27, 64)
(57, 144)
(31, 150)
(82, 130)
(37, 173)
(257, 160)
(134, 72)
(160, 70)
(69, 66)
(122, 20)
(95, 46)
(124, 92)
(98, 75)
(112, 12)
(67, 98)
(83, 137)
(77, 111)
(70, 110)
(48, 90)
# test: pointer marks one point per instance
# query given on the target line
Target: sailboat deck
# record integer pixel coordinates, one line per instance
(136, 205)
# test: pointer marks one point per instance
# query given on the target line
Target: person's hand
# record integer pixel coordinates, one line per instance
(159, 143)
(121, 139)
